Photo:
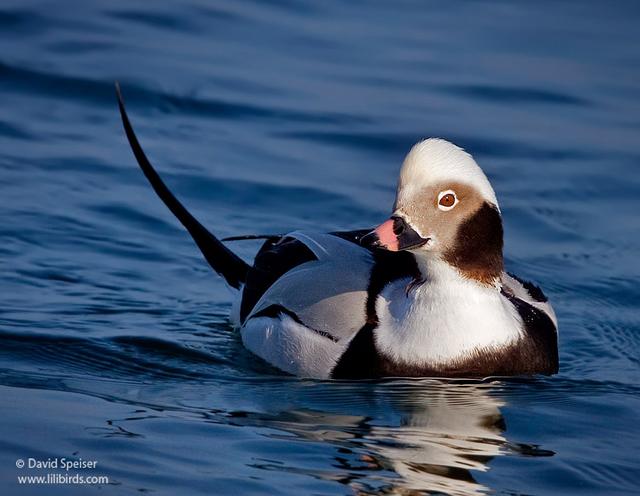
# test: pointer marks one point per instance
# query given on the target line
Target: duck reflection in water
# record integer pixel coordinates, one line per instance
(436, 438)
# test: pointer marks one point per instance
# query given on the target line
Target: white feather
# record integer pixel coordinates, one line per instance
(445, 319)
(291, 347)
(435, 161)
(521, 292)
(328, 294)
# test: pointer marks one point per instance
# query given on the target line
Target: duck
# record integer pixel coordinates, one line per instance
(424, 294)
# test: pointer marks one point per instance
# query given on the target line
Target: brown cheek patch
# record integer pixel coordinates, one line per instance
(428, 218)
(445, 222)
(477, 248)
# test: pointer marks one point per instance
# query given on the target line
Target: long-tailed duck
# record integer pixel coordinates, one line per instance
(423, 294)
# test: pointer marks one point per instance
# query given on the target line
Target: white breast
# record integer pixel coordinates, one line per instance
(444, 320)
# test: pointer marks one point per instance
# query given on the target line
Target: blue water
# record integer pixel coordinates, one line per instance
(115, 344)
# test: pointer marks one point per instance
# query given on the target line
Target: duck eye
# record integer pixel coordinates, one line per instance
(447, 200)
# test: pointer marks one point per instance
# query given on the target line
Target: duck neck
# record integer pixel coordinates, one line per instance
(438, 271)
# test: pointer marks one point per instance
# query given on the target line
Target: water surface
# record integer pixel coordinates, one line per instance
(268, 117)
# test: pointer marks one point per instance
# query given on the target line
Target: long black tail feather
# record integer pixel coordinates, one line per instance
(222, 260)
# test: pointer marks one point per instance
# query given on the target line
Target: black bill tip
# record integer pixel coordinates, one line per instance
(370, 240)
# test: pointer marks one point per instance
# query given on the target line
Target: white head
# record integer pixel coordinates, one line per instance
(446, 208)
(435, 161)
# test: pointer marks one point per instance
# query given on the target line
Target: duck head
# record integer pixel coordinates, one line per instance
(445, 209)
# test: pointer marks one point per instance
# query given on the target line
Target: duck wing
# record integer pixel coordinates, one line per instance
(318, 279)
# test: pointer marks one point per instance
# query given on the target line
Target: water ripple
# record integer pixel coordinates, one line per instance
(116, 343)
